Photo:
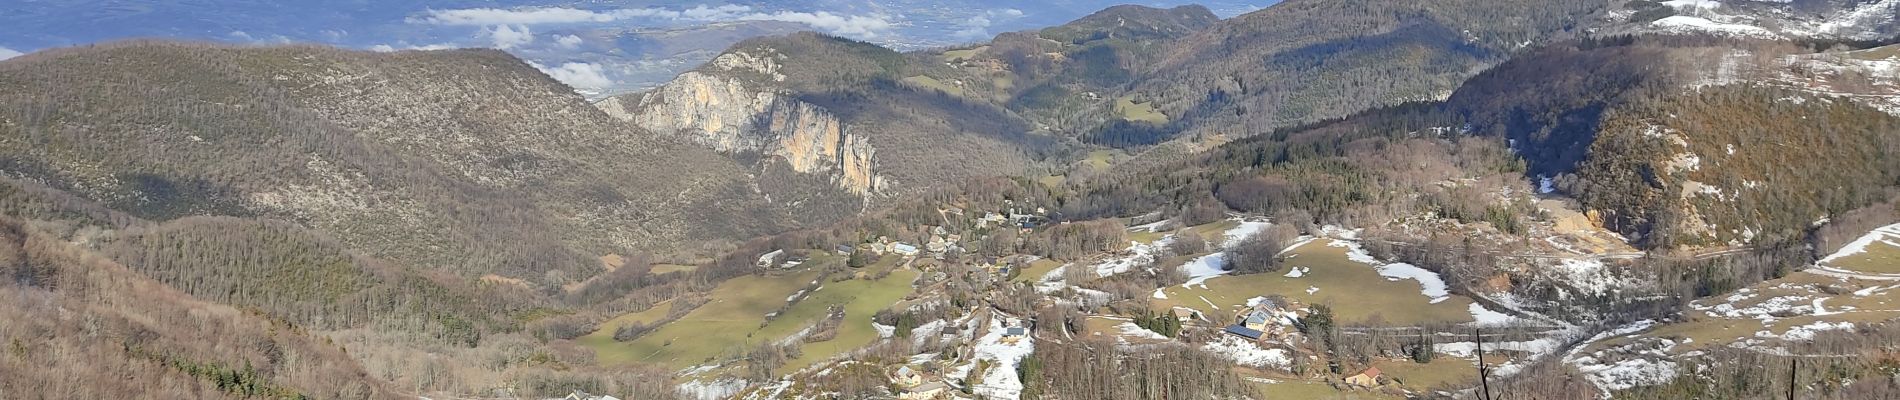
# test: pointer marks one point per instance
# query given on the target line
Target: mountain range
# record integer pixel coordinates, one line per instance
(187, 219)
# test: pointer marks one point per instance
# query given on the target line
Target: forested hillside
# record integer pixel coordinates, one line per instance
(467, 161)
(81, 325)
(1143, 203)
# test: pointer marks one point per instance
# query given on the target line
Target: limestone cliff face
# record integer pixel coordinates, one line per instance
(717, 107)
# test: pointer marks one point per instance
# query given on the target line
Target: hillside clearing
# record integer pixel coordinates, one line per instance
(1355, 290)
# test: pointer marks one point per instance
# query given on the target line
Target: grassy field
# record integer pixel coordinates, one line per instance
(603, 339)
(1215, 232)
(1422, 377)
(1880, 257)
(1100, 160)
(665, 268)
(1878, 53)
(964, 54)
(1128, 109)
(1100, 326)
(860, 299)
(1707, 330)
(934, 84)
(725, 324)
(1356, 291)
(1301, 390)
(1036, 270)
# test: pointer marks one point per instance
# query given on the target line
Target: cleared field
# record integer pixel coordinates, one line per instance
(1100, 159)
(1113, 327)
(1878, 252)
(1128, 109)
(724, 325)
(666, 268)
(1421, 377)
(964, 54)
(1301, 390)
(1355, 291)
(1036, 270)
(1777, 310)
(1877, 53)
(603, 340)
(1214, 232)
(934, 84)
(860, 299)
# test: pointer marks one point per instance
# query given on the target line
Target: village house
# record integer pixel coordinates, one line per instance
(1369, 378)
(1185, 314)
(991, 218)
(904, 249)
(580, 395)
(1245, 332)
(1257, 320)
(926, 391)
(1014, 334)
(846, 250)
(906, 377)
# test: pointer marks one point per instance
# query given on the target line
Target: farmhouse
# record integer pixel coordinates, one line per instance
(925, 391)
(1369, 378)
(1257, 320)
(580, 395)
(906, 377)
(1185, 314)
(1014, 334)
(1245, 332)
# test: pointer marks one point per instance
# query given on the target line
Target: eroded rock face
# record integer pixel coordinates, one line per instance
(726, 113)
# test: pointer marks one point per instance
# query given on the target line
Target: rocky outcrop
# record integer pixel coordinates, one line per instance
(731, 107)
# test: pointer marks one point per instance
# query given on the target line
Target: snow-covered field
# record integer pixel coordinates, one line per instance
(999, 381)
(1689, 24)
(1246, 353)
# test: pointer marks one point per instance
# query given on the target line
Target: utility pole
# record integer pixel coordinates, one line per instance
(1484, 381)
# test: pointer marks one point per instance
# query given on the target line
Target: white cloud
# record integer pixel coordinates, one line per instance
(582, 76)
(846, 25)
(507, 37)
(242, 36)
(568, 41)
(978, 27)
(6, 53)
(839, 24)
(384, 48)
(497, 16)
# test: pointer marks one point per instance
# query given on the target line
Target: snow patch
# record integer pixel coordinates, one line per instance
(1806, 332)
(1688, 24)
(1486, 317)
(1297, 272)
(1246, 353)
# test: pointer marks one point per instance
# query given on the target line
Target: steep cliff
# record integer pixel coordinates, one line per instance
(733, 108)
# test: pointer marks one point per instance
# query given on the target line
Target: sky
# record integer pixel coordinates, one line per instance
(597, 46)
